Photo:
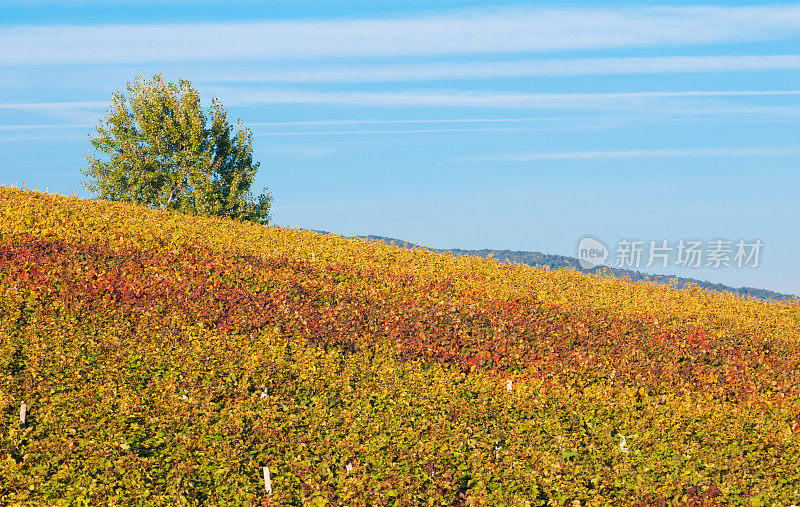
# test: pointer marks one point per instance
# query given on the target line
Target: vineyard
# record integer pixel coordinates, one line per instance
(165, 360)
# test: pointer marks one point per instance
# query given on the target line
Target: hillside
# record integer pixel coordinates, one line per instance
(165, 359)
(553, 261)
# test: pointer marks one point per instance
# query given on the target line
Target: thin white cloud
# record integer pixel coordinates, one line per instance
(300, 151)
(247, 97)
(547, 121)
(368, 132)
(662, 102)
(736, 151)
(393, 131)
(30, 126)
(19, 139)
(508, 30)
(17, 163)
(511, 69)
(29, 106)
(400, 122)
(43, 127)
(552, 124)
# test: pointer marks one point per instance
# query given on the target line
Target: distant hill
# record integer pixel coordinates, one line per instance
(564, 262)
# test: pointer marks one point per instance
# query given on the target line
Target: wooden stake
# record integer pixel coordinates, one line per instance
(23, 413)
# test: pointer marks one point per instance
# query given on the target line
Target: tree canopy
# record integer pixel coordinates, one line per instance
(157, 147)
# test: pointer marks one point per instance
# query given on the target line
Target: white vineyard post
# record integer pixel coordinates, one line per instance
(267, 481)
(23, 413)
(623, 445)
(509, 385)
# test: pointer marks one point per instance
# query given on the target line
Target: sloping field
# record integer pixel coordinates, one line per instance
(166, 359)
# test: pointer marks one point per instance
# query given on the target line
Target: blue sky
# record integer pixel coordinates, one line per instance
(505, 125)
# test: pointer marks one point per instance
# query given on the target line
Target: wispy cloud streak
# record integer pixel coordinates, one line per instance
(510, 30)
(39, 139)
(546, 121)
(53, 105)
(244, 97)
(497, 125)
(394, 131)
(420, 121)
(735, 151)
(43, 127)
(247, 97)
(512, 69)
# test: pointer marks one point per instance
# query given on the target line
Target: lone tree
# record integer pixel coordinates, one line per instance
(161, 151)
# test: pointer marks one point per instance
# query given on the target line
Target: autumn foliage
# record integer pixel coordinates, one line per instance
(165, 359)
